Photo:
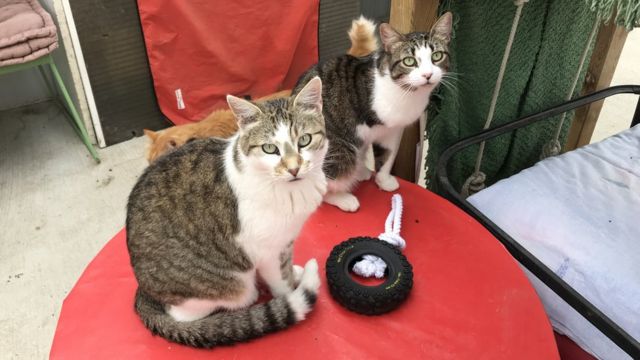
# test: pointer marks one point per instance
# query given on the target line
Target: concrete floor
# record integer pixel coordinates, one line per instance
(57, 209)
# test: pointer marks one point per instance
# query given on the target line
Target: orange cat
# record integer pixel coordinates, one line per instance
(363, 38)
(221, 123)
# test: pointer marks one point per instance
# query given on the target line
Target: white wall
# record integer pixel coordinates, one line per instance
(22, 88)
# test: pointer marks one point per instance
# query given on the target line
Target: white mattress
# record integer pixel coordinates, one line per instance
(580, 214)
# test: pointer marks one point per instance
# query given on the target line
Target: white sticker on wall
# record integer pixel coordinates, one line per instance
(179, 99)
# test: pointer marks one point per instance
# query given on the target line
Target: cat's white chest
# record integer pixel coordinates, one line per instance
(270, 221)
(264, 233)
(395, 106)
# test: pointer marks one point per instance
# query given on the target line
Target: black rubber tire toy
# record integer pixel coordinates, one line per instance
(368, 300)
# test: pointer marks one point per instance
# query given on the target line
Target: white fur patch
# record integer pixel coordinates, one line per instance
(371, 134)
(272, 210)
(282, 136)
(343, 184)
(310, 282)
(397, 106)
(426, 69)
(298, 303)
(343, 200)
(194, 308)
(387, 182)
(297, 274)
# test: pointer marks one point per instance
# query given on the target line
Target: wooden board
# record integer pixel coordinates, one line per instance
(604, 59)
(407, 16)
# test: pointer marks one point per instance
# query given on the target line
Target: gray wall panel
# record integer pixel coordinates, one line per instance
(113, 48)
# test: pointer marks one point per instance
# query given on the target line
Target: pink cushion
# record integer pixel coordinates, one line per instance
(27, 31)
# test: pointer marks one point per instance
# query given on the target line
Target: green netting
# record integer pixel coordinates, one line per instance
(551, 37)
(627, 11)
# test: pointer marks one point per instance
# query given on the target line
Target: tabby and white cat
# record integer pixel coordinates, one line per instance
(370, 100)
(251, 194)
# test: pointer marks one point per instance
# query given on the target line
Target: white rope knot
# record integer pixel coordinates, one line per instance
(552, 148)
(393, 239)
(371, 265)
(474, 184)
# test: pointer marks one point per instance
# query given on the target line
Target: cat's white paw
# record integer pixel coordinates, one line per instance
(302, 299)
(280, 289)
(345, 201)
(310, 279)
(364, 173)
(387, 182)
(297, 274)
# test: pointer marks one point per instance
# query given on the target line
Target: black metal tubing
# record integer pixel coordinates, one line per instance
(609, 328)
(636, 116)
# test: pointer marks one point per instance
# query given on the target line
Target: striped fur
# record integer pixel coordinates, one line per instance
(369, 100)
(230, 327)
(205, 220)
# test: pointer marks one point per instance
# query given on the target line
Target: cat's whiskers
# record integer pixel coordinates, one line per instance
(455, 79)
(447, 84)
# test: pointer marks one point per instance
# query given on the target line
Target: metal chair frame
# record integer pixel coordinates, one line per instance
(590, 312)
(77, 123)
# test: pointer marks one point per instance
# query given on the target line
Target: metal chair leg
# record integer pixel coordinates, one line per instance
(636, 115)
(47, 81)
(79, 124)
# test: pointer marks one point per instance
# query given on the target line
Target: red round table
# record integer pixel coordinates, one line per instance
(470, 299)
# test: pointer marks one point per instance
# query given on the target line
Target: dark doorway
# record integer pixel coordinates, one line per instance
(114, 52)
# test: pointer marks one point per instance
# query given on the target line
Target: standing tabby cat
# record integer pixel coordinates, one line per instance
(370, 100)
(250, 195)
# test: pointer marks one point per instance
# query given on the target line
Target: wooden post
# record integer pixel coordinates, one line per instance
(604, 60)
(407, 16)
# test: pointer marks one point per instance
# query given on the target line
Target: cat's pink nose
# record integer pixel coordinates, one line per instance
(294, 171)
(427, 75)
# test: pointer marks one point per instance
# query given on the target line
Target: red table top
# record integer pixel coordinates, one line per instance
(470, 299)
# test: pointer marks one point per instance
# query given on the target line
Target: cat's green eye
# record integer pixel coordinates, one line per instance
(304, 140)
(270, 149)
(437, 56)
(409, 61)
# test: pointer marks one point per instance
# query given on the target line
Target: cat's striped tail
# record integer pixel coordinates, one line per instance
(229, 327)
(363, 37)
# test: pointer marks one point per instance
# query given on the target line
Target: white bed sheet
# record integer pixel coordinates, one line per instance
(579, 213)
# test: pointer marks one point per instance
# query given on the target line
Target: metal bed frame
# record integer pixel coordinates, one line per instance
(590, 312)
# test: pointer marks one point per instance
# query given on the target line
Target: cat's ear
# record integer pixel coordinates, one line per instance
(151, 134)
(442, 28)
(389, 36)
(172, 143)
(245, 112)
(310, 97)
